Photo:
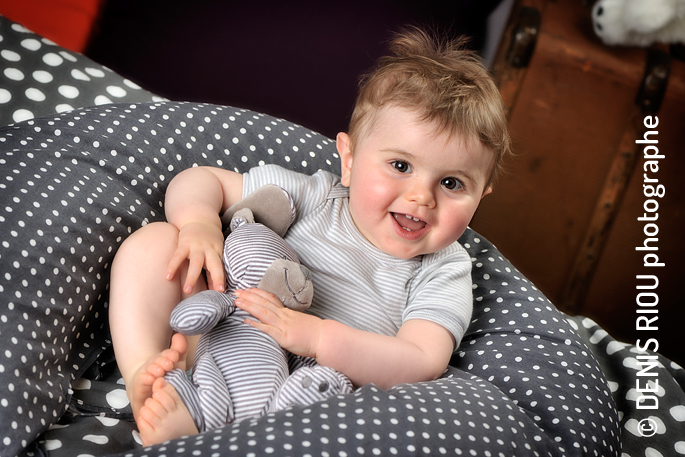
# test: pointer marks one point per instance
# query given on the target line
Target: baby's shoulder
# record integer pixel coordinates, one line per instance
(452, 255)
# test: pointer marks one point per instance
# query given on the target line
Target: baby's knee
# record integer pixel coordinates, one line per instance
(158, 236)
(154, 231)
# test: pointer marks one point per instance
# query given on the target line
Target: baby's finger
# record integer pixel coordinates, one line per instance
(215, 273)
(262, 297)
(175, 263)
(260, 310)
(195, 266)
(273, 332)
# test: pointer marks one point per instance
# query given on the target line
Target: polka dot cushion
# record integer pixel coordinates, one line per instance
(646, 432)
(39, 78)
(74, 185)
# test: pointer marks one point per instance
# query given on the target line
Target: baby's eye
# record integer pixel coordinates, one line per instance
(452, 184)
(402, 167)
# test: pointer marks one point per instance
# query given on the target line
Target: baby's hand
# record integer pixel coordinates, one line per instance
(294, 331)
(202, 245)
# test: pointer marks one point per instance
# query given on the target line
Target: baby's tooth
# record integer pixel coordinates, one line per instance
(407, 216)
(416, 219)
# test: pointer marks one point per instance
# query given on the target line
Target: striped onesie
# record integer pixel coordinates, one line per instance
(356, 283)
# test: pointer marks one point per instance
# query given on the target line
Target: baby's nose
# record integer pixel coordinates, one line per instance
(421, 194)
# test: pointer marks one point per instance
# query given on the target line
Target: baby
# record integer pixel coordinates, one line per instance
(392, 285)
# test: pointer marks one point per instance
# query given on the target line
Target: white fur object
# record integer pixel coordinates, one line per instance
(639, 22)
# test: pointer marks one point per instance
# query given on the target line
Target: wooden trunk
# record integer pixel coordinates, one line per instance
(566, 214)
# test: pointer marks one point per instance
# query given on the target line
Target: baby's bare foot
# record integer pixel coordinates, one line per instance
(164, 416)
(156, 367)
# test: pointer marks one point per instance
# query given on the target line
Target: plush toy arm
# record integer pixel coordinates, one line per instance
(201, 312)
(271, 206)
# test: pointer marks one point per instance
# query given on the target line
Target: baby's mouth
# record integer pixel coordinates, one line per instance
(409, 223)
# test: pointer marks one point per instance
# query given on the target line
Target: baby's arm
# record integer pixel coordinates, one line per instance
(420, 351)
(194, 201)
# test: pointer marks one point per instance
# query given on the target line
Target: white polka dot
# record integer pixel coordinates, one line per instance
(22, 115)
(35, 95)
(631, 362)
(117, 398)
(678, 413)
(116, 91)
(31, 44)
(108, 421)
(68, 91)
(51, 445)
(97, 439)
(10, 55)
(5, 95)
(614, 346)
(680, 447)
(95, 72)
(651, 452)
(68, 56)
(20, 28)
(64, 108)
(52, 59)
(42, 76)
(102, 100)
(598, 336)
(131, 84)
(14, 74)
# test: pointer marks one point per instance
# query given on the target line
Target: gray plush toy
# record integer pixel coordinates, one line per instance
(239, 371)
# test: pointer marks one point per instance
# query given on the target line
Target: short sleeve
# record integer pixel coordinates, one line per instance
(442, 291)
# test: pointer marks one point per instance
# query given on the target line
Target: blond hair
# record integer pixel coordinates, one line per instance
(444, 83)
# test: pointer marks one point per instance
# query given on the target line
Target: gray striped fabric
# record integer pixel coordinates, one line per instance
(239, 371)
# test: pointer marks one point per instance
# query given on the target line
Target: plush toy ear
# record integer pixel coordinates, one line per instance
(290, 282)
(271, 206)
(240, 217)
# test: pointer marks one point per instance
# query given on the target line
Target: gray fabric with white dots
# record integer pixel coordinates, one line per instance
(78, 183)
(37, 77)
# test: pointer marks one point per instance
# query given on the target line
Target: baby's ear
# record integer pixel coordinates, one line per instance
(488, 190)
(343, 143)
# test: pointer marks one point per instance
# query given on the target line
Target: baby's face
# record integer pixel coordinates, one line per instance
(412, 191)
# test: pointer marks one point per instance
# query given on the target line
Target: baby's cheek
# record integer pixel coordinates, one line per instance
(456, 222)
(371, 198)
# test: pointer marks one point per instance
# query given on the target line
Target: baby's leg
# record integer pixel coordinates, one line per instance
(164, 416)
(141, 301)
